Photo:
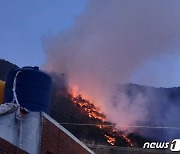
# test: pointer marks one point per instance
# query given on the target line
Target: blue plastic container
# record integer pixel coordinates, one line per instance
(33, 88)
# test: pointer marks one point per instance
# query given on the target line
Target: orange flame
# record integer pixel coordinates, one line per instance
(127, 140)
(94, 112)
(74, 91)
(89, 108)
(110, 140)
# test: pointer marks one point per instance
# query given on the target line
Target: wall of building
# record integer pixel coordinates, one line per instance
(26, 137)
(39, 134)
(56, 140)
(8, 148)
(2, 85)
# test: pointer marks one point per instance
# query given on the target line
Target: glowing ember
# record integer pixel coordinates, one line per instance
(107, 127)
(89, 108)
(110, 140)
(127, 140)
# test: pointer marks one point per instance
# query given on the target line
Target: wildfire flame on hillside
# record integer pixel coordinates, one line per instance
(111, 132)
(110, 140)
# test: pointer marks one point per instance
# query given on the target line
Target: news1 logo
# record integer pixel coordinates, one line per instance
(174, 145)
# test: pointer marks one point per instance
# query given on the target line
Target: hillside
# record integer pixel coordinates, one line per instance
(68, 113)
(158, 109)
(85, 121)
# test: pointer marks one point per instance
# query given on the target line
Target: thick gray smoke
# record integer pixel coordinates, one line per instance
(109, 43)
(155, 109)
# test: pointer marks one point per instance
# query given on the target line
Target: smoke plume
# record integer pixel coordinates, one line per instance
(108, 44)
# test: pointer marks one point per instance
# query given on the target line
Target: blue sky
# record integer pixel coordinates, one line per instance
(147, 32)
(24, 24)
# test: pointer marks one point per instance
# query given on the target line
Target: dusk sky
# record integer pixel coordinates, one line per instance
(24, 25)
(141, 37)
